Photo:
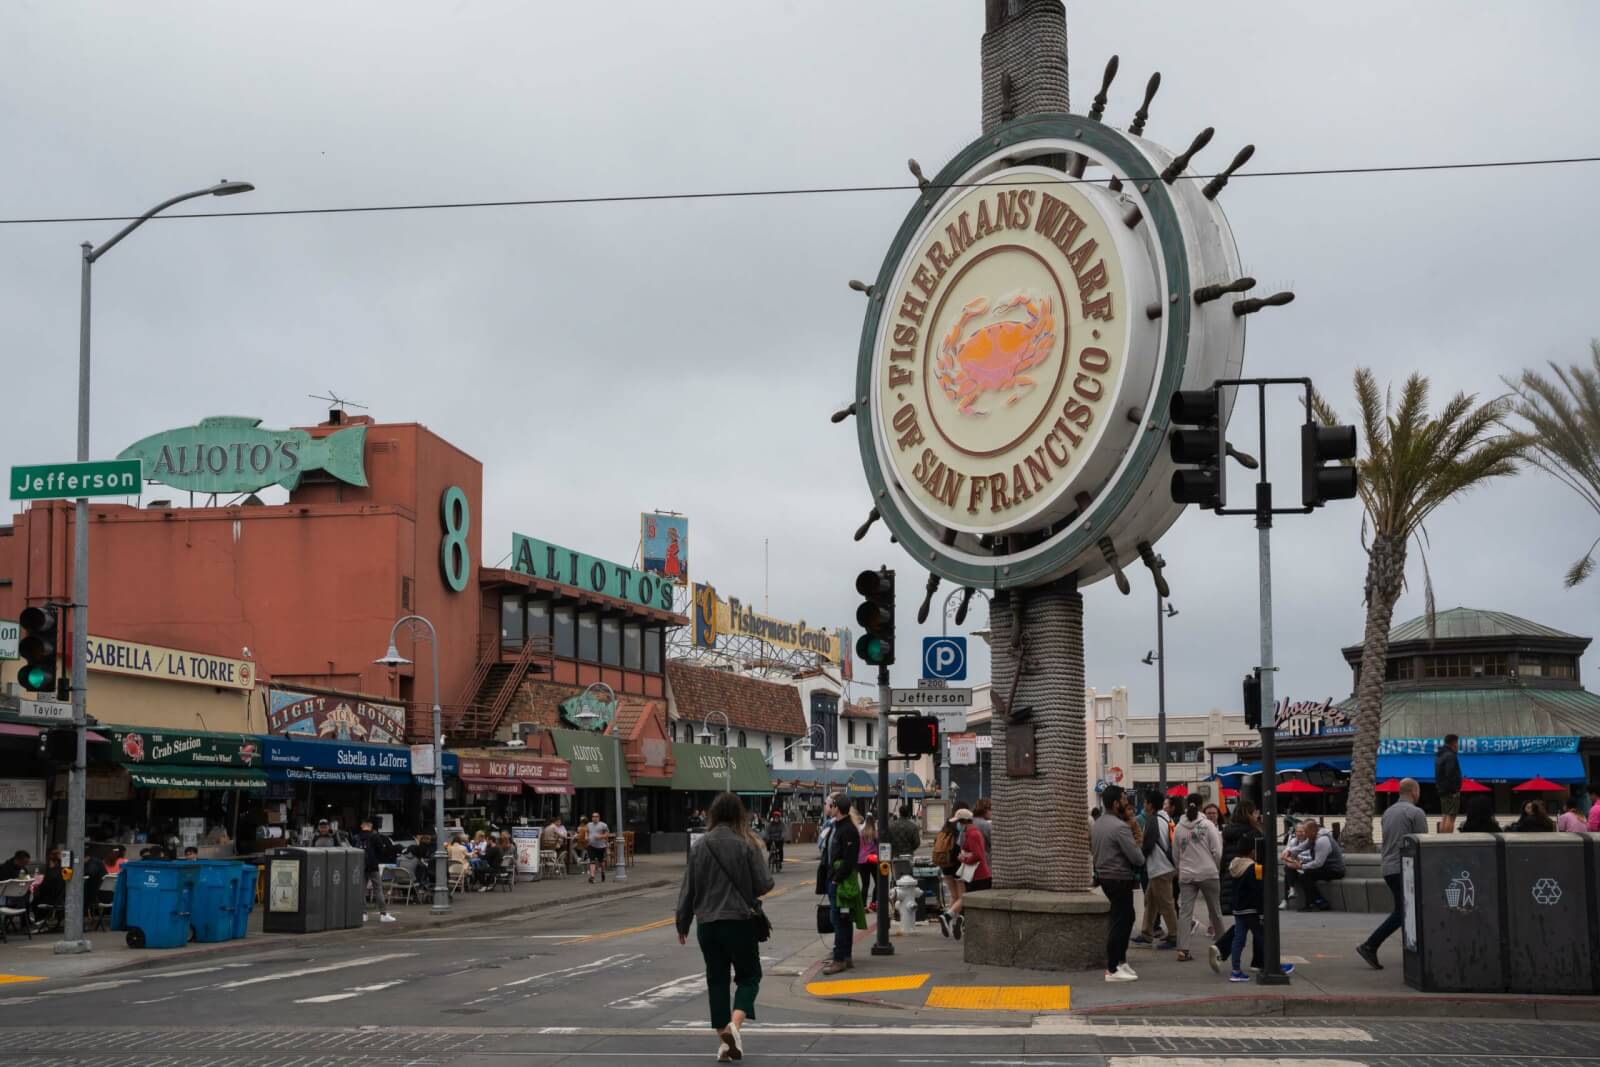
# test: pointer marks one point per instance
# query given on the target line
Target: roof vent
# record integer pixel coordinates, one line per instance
(159, 504)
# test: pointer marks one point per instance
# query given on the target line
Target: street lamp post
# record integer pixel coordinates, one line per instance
(73, 940)
(1100, 736)
(706, 738)
(822, 734)
(589, 719)
(392, 658)
(1164, 611)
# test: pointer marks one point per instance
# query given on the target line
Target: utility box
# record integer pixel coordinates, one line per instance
(297, 891)
(1549, 914)
(1452, 909)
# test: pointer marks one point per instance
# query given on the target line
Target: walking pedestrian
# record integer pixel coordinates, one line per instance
(1247, 905)
(1161, 871)
(974, 857)
(1243, 825)
(1572, 820)
(1117, 858)
(380, 850)
(725, 878)
(836, 877)
(1399, 819)
(1199, 848)
(905, 836)
(947, 857)
(1447, 779)
(598, 834)
(1594, 812)
(867, 860)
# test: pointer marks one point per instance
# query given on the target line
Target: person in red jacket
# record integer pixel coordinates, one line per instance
(974, 852)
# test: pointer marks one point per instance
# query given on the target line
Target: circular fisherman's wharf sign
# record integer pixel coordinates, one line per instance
(1006, 349)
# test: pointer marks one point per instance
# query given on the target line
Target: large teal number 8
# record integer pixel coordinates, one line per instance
(455, 559)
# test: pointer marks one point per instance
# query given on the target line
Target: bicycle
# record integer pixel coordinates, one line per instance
(774, 857)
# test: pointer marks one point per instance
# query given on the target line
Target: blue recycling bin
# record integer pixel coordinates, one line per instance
(154, 903)
(246, 899)
(217, 900)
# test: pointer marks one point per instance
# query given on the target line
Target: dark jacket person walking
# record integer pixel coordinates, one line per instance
(727, 872)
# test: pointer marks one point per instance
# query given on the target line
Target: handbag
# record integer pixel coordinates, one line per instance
(967, 871)
(824, 919)
(758, 917)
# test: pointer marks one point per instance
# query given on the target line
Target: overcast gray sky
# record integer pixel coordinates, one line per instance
(603, 360)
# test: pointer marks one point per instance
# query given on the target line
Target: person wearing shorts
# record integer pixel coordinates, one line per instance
(1447, 779)
(598, 834)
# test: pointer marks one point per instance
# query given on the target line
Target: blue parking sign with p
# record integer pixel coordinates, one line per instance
(944, 658)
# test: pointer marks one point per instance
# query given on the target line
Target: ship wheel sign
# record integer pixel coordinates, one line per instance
(1049, 291)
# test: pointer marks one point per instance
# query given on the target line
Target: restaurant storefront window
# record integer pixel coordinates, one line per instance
(566, 632)
(538, 618)
(589, 637)
(611, 642)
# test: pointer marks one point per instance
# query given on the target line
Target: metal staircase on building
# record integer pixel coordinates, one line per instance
(489, 692)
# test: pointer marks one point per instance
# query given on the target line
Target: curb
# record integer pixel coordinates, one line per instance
(290, 941)
(1564, 1009)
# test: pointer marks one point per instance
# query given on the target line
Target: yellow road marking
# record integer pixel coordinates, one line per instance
(7, 979)
(658, 924)
(841, 987)
(1000, 997)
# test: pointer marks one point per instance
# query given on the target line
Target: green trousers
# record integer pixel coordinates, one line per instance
(730, 943)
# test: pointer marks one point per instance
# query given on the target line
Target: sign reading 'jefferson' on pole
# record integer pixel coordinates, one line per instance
(67, 481)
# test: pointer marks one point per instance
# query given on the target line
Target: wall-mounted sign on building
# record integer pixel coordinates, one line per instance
(296, 713)
(601, 710)
(169, 664)
(541, 559)
(1309, 718)
(715, 618)
(144, 747)
(10, 634)
(293, 759)
(664, 544)
(235, 454)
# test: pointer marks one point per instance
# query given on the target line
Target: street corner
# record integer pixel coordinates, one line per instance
(17, 979)
(926, 991)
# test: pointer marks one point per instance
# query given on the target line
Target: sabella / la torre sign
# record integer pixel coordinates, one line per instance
(1022, 343)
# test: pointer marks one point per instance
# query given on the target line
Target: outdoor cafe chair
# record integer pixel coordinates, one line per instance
(14, 907)
(506, 876)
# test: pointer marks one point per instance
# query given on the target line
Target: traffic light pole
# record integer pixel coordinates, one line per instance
(1271, 972)
(882, 947)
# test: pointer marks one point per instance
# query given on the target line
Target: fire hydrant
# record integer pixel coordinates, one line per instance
(907, 896)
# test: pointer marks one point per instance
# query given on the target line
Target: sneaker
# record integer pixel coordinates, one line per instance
(386, 918)
(1284, 904)
(1118, 976)
(591, 879)
(1238, 976)
(944, 924)
(732, 1043)
(1214, 957)
(958, 927)
(1141, 940)
(1167, 944)
(1124, 969)
(1370, 954)
(1288, 968)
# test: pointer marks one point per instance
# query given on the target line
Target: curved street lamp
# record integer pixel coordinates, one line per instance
(808, 745)
(706, 738)
(593, 721)
(73, 940)
(421, 629)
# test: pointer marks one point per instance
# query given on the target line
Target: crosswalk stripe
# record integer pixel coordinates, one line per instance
(601, 964)
(92, 987)
(353, 991)
(342, 965)
(656, 996)
(1225, 1061)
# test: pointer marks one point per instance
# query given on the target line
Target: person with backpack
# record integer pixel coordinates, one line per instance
(1199, 847)
(947, 857)
(1161, 876)
(380, 851)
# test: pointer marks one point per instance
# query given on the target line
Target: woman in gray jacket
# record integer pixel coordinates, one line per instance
(1199, 848)
(727, 872)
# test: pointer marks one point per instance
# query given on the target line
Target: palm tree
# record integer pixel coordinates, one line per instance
(1413, 462)
(1563, 418)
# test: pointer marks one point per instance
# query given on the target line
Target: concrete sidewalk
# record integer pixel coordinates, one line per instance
(22, 960)
(927, 975)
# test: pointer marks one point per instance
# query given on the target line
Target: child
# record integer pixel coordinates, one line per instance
(1247, 903)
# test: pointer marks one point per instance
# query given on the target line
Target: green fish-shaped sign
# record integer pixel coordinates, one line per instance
(233, 454)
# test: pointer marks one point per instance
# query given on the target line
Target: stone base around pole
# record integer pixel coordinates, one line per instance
(1035, 928)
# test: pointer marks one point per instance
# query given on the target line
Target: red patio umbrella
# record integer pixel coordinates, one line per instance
(1299, 785)
(1469, 786)
(1178, 790)
(1393, 786)
(1538, 785)
(1229, 794)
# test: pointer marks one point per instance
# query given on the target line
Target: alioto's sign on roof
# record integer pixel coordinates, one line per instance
(234, 454)
(541, 559)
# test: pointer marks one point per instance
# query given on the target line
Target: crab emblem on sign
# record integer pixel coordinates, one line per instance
(992, 358)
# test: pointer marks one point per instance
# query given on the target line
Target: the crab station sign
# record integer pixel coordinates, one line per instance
(1022, 343)
(1007, 347)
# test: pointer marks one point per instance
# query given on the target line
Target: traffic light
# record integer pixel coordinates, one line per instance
(1325, 444)
(58, 746)
(1202, 447)
(1252, 700)
(876, 616)
(37, 648)
(916, 735)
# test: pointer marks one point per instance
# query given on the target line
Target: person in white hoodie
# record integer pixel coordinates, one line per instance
(1199, 849)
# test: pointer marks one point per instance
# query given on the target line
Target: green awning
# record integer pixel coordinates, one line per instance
(160, 777)
(592, 757)
(712, 768)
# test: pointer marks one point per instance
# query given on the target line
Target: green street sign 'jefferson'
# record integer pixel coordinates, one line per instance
(234, 454)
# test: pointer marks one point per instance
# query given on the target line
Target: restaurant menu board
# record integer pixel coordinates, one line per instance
(283, 886)
(526, 839)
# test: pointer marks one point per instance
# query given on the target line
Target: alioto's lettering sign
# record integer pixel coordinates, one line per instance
(541, 559)
(168, 664)
(233, 454)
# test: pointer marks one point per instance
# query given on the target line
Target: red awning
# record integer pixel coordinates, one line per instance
(545, 789)
(21, 729)
(1390, 786)
(506, 786)
(1179, 790)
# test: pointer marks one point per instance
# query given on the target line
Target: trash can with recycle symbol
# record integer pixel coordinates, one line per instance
(154, 903)
(297, 891)
(1549, 913)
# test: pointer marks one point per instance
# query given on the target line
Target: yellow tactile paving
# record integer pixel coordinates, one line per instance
(1001, 997)
(7, 979)
(844, 986)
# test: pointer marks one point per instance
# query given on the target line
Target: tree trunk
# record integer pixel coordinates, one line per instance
(1386, 568)
(1041, 824)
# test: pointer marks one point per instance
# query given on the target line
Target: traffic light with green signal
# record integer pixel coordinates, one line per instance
(37, 649)
(876, 616)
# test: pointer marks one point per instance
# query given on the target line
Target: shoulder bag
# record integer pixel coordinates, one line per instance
(758, 917)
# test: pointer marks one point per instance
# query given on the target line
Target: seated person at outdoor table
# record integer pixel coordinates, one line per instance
(15, 867)
(116, 859)
(50, 888)
(458, 850)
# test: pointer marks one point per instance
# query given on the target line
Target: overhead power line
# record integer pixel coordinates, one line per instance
(820, 190)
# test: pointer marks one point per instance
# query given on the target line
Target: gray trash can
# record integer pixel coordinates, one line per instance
(1452, 909)
(297, 891)
(1549, 919)
(338, 894)
(355, 884)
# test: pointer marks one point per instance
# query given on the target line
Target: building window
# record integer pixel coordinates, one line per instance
(1563, 667)
(1146, 752)
(652, 651)
(1463, 665)
(538, 618)
(1399, 670)
(869, 734)
(688, 733)
(849, 732)
(566, 632)
(589, 636)
(511, 621)
(632, 646)
(611, 642)
(766, 747)
(825, 713)
(742, 742)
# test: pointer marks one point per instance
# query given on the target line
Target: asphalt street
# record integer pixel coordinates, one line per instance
(609, 983)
